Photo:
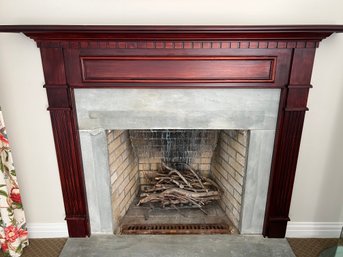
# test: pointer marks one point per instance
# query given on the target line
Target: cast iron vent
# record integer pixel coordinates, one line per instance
(159, 229)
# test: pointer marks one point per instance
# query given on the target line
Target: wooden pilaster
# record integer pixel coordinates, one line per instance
(287, 143)
(66, 142)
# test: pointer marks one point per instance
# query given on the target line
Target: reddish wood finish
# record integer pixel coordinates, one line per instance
(173, 57)
(286, 32)
(64, 124)
(287, 143)
(195, 77)
(181, 69)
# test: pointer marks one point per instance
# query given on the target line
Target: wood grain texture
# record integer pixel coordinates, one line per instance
(54, 72)
(284, 173)
(71, 174)
(63, 119)
(287, 142)
(140, 69)
(190, 68)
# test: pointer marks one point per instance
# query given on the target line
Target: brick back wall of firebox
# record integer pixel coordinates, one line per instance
(173, 147)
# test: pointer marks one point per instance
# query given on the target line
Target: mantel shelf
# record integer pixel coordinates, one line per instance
(70, 32)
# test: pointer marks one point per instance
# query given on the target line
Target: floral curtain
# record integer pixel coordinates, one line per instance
(13, 232)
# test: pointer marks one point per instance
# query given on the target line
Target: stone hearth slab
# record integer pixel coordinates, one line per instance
(175, 246)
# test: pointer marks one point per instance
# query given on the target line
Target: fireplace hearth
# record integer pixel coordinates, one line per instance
(226, 78)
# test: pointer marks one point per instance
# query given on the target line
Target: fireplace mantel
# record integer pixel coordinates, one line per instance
(177, 57)
(69, 32)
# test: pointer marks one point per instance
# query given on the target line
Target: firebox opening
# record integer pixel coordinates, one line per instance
(177, 177)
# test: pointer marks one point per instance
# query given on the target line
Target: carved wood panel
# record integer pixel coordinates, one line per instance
(171, 69)
(110, 68)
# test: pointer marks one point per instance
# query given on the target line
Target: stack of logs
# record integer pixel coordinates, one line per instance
(173, 188)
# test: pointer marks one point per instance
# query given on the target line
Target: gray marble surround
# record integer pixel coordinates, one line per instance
(251, 109)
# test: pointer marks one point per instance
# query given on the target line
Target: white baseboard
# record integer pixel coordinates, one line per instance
(47, 230)
(314, 229)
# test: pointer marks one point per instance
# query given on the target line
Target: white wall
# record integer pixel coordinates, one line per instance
(318, 188)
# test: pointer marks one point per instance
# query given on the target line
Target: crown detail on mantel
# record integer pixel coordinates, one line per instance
(80, 32)
(111, 44)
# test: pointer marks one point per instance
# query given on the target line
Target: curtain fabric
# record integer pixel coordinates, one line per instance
(13, 232)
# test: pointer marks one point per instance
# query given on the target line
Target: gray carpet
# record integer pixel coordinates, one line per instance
(175, 246)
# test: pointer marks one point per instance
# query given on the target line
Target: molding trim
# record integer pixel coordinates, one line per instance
(47, 230)
(180, 44)
(77, 32)
(314, 229)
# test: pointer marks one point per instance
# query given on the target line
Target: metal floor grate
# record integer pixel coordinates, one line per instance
(170, 229)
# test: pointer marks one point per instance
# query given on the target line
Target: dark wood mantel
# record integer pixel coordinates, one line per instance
(163, 32)
(177, 57)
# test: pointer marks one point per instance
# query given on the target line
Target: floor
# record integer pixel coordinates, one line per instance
(302, 247)
(47, 247)
(146, 215)
(313, 247)
(176, 246)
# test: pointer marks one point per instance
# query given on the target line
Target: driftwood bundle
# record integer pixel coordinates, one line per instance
(174, 188)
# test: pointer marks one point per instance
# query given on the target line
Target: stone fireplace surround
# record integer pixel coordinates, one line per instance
(219, 109)
(177, 57)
